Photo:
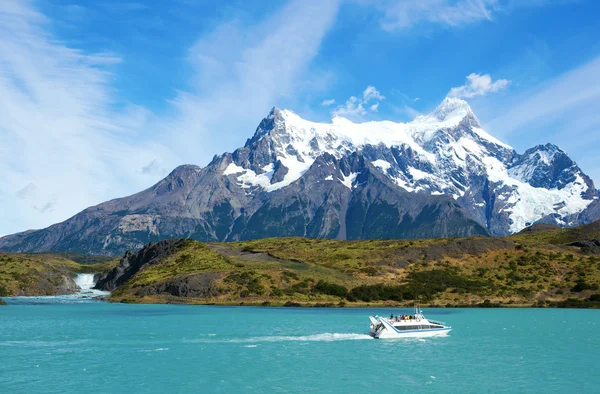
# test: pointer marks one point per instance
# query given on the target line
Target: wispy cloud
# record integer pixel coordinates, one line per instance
(479, 85)
(327, 103)
(403, 14)
(65, 132)
(245, 70)
(406, 14)
(355, 106)
(65, 143)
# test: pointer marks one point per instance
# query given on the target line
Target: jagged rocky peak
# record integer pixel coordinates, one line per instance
(290, 134)
(544, 153)
(548, 166)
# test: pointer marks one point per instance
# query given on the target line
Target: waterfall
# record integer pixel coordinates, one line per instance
(86, 285)
(85, 281)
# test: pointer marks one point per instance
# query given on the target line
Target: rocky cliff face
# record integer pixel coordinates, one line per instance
(131, 263)
(439, 175)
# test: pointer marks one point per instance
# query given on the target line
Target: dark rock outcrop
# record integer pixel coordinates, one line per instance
(590, 246)
(131, 263)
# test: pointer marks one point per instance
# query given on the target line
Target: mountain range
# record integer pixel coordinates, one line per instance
(440, 175)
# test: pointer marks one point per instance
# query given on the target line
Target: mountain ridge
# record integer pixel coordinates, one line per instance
(440, 175)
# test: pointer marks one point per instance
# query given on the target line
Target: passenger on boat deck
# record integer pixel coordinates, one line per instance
(392, 316)
(403, 317)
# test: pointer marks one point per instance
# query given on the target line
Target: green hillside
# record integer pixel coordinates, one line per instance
(541, 266)
(538, 267)
(43, 274)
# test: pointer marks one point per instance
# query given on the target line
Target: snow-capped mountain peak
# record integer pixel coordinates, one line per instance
(440, 175)
(444, 152)
(452, 106)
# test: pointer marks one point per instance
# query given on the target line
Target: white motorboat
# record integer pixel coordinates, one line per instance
(407, 326)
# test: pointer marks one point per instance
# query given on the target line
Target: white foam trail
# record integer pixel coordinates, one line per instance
(326, 337)
(160, 349)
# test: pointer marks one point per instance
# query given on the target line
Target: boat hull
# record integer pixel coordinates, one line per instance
(386, 333)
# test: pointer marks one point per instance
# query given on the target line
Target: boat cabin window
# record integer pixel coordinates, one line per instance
(415, 327)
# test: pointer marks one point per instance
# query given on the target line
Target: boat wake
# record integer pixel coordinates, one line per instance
(160, 349)
(326, 337)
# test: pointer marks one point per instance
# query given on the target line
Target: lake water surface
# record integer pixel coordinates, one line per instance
(98, 347)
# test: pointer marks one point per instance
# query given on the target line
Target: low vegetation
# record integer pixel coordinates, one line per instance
(541, 267)
(43, 274)
(23, 274)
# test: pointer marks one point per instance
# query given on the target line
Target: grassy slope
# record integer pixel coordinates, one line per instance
(535, 268)
(41, 274)
(529, 268)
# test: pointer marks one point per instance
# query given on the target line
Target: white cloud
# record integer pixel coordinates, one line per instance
(479, 85)
(403, 14)
(64, 142)
(63, 131)
(371, 93)
(355, 107)
(327, 103)
(237, 73)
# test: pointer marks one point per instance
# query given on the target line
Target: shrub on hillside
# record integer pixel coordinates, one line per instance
(324, 287)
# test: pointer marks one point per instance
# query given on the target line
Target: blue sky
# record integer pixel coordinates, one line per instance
(101, 99)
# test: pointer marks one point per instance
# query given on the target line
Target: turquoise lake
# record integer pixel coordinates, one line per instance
(95, 347)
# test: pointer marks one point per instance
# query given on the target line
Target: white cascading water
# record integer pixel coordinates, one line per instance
(86, 283)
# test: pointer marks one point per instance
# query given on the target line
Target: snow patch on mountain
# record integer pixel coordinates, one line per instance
(418, 174)
(295, 168)
(348, 181)
(484, 135)
(384, 165)
(232, 168)
(249, 178)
